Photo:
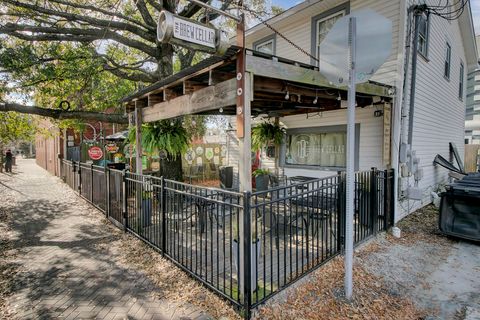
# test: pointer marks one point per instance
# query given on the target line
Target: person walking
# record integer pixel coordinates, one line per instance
(8, 161)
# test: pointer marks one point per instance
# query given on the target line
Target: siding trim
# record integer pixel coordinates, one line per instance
(313, 30)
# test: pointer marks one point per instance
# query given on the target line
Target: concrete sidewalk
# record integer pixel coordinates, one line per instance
(63, 270)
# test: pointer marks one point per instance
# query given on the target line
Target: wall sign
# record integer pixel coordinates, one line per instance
(387, 115)
(95, 153)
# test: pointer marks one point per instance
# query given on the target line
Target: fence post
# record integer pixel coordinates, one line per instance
(72, 175)
(124, 200)
(373, 223)
(91, 182)
(386, 195)
(247, 249)
(107, 191)
(340, 211)
(391, 198)
(79, 178)
(163, 197)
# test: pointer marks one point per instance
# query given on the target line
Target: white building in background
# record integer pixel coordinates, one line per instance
(446, 54)
(472, 115)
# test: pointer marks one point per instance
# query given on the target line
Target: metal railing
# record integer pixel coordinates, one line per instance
(245, 247)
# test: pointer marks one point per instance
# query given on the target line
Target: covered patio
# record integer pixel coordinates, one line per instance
(247, 244)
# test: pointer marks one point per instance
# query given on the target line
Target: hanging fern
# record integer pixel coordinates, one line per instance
(168, 135)
(266, 133)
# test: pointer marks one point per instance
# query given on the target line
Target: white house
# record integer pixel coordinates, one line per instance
(472, 115)
(446, 52)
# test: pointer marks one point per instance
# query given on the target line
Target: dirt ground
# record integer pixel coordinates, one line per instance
(422, 275)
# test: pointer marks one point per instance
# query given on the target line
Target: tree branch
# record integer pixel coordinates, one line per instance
(62, 114)
(142, 8)
(133, 76)
(149, 36)
(99, 10)
(73, 34)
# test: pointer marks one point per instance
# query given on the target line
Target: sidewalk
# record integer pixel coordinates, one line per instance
(63, 269)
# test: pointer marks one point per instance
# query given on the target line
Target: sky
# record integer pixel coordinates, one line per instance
(476, 15)
(475, 4)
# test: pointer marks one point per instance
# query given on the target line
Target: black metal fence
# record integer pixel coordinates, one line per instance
(245, 247)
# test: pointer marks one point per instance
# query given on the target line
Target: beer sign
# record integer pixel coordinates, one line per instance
(190, 33)
(95, 153)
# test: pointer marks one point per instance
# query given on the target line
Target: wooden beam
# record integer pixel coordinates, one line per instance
(210, 98)
(139, 104)
(154, 99)
(216, 76)
(278, 70)
(190, 86)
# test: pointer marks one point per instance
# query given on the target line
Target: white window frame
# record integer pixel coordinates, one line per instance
(461, 81)
(317, 28)
(447, 62)
(264, 42)
(423, 50)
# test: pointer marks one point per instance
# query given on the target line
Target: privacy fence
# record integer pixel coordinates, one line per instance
(244, 246)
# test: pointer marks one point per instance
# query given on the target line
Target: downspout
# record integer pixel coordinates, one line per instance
(417, 12)
(406, 135)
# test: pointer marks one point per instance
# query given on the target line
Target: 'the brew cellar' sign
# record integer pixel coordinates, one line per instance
(193, 32)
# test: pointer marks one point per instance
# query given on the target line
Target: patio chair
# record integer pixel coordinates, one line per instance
(195, 172)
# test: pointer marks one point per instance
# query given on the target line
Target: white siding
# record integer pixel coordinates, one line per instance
(298, 28)
(439, 113)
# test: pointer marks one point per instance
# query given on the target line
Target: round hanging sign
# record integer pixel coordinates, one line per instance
(95, 153)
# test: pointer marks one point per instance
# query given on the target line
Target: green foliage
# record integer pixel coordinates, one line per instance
(16, 127)
(168, 135)
(260, 172)
(266, 133)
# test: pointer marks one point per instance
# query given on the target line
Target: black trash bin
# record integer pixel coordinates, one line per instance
(117, 166)
(460, 209)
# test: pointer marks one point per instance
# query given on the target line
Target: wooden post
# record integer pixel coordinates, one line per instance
(245, 143)
(138, 137)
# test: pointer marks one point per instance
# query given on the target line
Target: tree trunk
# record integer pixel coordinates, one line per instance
(1, 157)
(171, 168)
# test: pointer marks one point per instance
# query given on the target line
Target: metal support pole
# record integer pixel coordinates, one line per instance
(350, 163)
(247, 249)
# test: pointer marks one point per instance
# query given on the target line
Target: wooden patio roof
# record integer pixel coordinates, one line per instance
(209, 87)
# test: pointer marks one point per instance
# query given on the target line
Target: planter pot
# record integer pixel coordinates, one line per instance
(146, 216)
(261, 182)
(255, 247)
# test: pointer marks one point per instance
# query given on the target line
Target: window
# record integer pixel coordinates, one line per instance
(448, 57)
(423, 34)
(326, 149)
(460, 81)
(321, 25)
(265, 45)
